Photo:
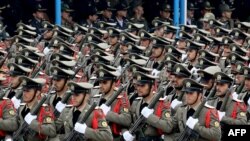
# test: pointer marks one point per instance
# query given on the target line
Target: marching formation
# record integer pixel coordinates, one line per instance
(118, 80)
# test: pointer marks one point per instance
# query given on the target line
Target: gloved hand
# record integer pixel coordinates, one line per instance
(175, 102)
(29, 118)
(81, 128)
(235, 95)
(221, 115)
(191, 122)
(16, 102)
(60, 106)
(248, 102)
(146, 112)
(155, 72)
(127, 136)
(105, 108)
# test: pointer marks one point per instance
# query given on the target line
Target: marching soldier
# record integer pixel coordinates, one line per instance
(206, 124)
(41, 124)
(117, 114)
(95, 127)
(38, 16)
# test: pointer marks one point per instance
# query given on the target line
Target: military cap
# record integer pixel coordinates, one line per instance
(134, 26)
(47, 25)
(204, 63)
(237, 49)
(180, 70)
(225, 8)
(113, 31)
(239, 68)
(214, 23)
(189, 28)
(101, 46)
(194, 45)
(17, 70)
(100, 65)
(80, 87)
(159, 24)
(246, 71)
(29, 83)
(35, 55)
(92, 38)
(208, 73)
(208, 55)
(121, 6)
(65, 49)
(61, 34)
(39, 7)
(21, 25)
(238, 34)
(126, 38)
(234, 57)
(21, 46)
(159, 42)
(142, 78)
(216, 40)
(104, 59)
(100, 52)
(25, 61)
(183, 36)
(166, 7)
(244, 26)
(190, 6)
(220, 31)
(103, 74)
(66, 8)
(61, 57)
(58, 73)
(137, 56)
(227, 40)
(91, 10)
(26, 33)
(106, 6)
(172, 57)
(207, 17)
(144, 35)
(169, 64)
(167, 40)
(221, 77)
(132, 48)
(174, 51)
(202, 39)
(68, 65)
(171, 29)
(135, 68)
(97, 32)
(3, 53)
(207, 5)
(203, 32)
(190, 85)
(104, 25)
(23, 40)
(56, 40)
(140, 62)
(80, 29)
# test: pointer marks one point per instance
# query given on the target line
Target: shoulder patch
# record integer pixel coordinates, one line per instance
(12, 112)
(104, 124)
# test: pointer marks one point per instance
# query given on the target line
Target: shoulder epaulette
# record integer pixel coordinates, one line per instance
(209, 106)
(236, 99)
(138, 98)
(22, 104)
(162, 98)
(69, 106)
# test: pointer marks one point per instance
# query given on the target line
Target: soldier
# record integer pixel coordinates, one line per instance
(121, 14)
(234, 112)
(66, 17)
(145, 86)
(190, 14)
(38, 16)
(165, 13)
(117, 114)
(95, 127)
(91, 17)
(107, 13)
(41, 124)
(138, 15)
(226, 13)
(206, 124)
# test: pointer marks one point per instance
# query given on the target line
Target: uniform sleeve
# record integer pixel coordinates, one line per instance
(102, 132)
(214, 130)
(240, 119)
(164, 122)
(47, 127)
(8, 122)
(59, 122)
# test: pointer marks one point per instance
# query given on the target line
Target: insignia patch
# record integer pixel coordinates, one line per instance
(236, 33)
(101, 25)
(129, 47)
(125, 110)
(218, 77)
(129, 26)
(156, 24)
(211, 22)
(188, 44)
(216, 124)
(167, 115)
(20, 60)
(154, 41)
(61, 47)
(91, 31)
(76, 28)
(188, 84)
(104, 124)
(198, 38)
(96, 59)
(234, 48)
(242, 114)
(225, 41)
(24, 82)
(168, 58)
(12, 112)
(123, 38)
(201, 62)
(55, 72)
(48, 119)
(26, 53)
(169, 65)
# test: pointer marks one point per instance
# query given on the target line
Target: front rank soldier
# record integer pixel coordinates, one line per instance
(206, 124)
(117, 114)
(42, 124)
(145, 86)
(95, 128)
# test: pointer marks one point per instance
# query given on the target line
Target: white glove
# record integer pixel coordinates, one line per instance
(81, 128)
(16, 102)
(221, 115)
(146, 112)
(248, 102)
(175, 102)
(29, 118)
(191, 122)
(235, 95)
(127, 136)
(60, 106)
(105, 108)
(155, 72)
(8, 138)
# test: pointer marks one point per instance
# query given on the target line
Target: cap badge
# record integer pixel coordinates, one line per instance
(233, 58)
(239, 67)
(101, 74)
(134, 69)
(12, 68)
(245, 71)
(110, 31)
(138, 77)
(169, 65)
(89, 38)
(142, 34)
(218, 77)
(178, 69)
(188, 84)
(55, 72)
(72, 87)
(170, 50)
(201, 62)
(168, 58)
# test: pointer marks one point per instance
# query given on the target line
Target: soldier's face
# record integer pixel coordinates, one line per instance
(169, 35)
(221, 88)
(78, 38)
(226, 51)
(181, 44)
(191, 54)
(145, 42)
(77, 99)
(228, 14)
(143, 89)
(190, 13)
(105, 86)
(113, 40)
(107, 14)
(48, 34)
(59, 84)
(157, 52)
(191, 97)
(247, 84)
(239, 78)
(28, 95)
(65, 15)
(15, 81)
(123, 48)
(93, 18)
(40, 15)
(177, 81)
(165, 14)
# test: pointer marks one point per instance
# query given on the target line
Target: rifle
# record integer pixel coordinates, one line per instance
(64, 101)
(24, 126)
(188, 133)
(135, 127)
(114, 96)
(74, 135)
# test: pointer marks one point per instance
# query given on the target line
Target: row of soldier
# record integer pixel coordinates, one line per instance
(51, 81)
